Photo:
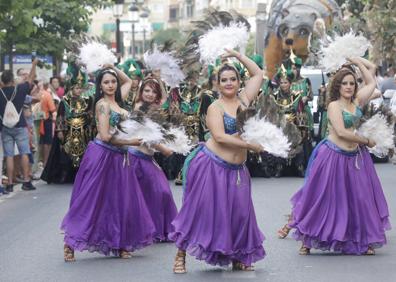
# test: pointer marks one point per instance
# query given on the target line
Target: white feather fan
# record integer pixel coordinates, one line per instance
(94, 55)
(267, 134)
(149, 131)
(181, 144)
(212, 44)
(334, 54)
(171, 72)
(377, 129)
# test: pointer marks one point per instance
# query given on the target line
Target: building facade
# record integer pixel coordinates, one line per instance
(163, 14)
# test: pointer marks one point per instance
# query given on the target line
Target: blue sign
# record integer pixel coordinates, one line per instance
(27, 59)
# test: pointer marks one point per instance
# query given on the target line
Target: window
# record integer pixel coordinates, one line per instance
(248, 3)
(173, 13)
(189, 10)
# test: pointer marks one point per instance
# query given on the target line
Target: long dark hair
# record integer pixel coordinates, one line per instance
(336, 83)
(98, 91)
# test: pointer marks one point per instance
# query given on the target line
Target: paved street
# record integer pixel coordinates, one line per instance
(31, 247)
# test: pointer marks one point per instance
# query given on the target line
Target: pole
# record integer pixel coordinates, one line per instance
(144, 40)
(133, 40)
(261, 27)
(118, 40)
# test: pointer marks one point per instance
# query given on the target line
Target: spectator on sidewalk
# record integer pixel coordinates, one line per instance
(388, 83)
(3, 191)
(47, 125)
(55, 84)
(17, 134)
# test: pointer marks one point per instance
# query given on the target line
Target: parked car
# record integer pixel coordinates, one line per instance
(316, 77)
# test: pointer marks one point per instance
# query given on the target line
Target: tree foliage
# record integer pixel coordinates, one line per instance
(162, 36)
(377, 20)
(381, 24)
(60, 21)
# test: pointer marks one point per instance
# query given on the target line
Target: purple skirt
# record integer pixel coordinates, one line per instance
(217, 222)
(341, 206)
(107, 213)
(156, 191)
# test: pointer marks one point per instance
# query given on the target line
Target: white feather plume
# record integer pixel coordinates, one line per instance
(171, 72)
(333, 55)
(181, 144)
(377, 129)
(267, 134)
(149, 131)
(94, 55)
(212, 44)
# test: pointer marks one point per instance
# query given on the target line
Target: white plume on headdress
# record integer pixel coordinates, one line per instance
(267, 134)
(212, 44)
(334, 54)
(149, 131)
(94, 55)
(377, 129)
(171, 72)
(181, 144)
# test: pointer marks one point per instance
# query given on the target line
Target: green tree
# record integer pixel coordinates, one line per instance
(381, 24)
(16, 23)
(162, 36)
(60, 21)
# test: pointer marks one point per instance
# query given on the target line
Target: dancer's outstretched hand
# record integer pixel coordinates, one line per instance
(371, 143)
(136, 141)
(257, 148)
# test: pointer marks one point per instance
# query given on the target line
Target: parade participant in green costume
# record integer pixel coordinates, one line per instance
(288, 101)
(183, 101)
(208, 96)
(304, 118)
(74, 129)
(131, 68)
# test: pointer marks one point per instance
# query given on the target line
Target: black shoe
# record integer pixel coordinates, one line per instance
(9, 188)
(28, 186)
(3, 191)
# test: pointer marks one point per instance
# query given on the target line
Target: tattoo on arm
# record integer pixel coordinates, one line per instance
(103, 110)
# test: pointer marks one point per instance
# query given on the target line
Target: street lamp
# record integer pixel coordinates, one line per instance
(117, 13)
(133, 14)
(144, 15)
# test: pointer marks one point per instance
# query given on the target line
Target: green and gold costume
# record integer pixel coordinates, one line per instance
(74, 129)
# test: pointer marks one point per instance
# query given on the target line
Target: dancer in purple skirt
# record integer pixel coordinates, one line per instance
(341, 206)
(107, 213)
(217, 222)
(151, 179)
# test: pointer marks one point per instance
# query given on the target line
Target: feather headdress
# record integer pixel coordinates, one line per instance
(212, 20)
(333, 55)
(171, 72)
(212, 44)
(94, 55)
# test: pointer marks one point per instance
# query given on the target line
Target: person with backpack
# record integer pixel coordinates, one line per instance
(2, 189)
(13, 125)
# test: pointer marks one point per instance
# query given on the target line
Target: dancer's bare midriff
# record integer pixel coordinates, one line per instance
(340, 142)
(231, 154)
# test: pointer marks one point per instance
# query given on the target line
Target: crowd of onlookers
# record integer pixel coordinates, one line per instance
(24, 147)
